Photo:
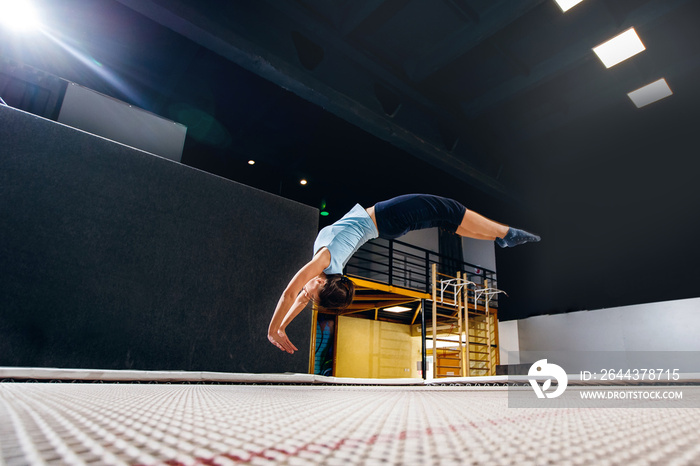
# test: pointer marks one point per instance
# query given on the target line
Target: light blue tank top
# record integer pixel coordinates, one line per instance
(344, 237)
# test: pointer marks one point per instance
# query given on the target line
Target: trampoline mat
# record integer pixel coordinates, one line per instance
(331, 425)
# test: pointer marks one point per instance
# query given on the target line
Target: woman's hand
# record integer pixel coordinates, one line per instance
(277, 334)
(293, 301)
(279, 339)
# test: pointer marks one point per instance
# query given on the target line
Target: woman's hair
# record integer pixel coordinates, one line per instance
(337, 293)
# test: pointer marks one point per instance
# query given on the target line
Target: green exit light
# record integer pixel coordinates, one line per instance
(324, 213)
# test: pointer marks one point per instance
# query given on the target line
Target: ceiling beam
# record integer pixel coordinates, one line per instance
(436, 56)
(354, 13)
(255, 38)
(357, 13)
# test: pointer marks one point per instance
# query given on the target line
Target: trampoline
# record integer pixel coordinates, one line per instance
(301, 420)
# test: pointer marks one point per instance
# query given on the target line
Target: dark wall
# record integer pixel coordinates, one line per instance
(114, 258)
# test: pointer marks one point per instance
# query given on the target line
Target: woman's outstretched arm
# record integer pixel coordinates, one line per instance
(291, 302)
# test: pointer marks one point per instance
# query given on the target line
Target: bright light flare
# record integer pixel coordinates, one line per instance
(619, 48)
(397, 309)
(95, 66)
(19, 15)
(566, 5)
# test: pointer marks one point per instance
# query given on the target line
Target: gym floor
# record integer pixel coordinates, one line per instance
(220, 424)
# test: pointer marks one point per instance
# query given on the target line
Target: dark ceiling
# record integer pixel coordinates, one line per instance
(500, 104)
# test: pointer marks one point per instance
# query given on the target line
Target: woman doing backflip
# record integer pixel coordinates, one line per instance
(321, 279)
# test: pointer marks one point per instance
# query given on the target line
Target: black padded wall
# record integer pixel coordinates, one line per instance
(113, 258)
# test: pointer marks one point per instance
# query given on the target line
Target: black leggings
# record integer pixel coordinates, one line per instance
(399, 215)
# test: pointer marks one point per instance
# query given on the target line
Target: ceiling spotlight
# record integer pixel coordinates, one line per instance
(303, 182)
(18, 15)
(619, 48)
(650, 93)
(397, 309)
(566, 5)
(251, 162)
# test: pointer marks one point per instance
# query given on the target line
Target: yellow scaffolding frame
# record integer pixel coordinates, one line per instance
(386, 295)
(477, 327)
(477, 347)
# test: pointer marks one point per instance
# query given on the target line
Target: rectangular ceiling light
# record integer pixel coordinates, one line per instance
(650, 93)
(566, 5)
(397, 309)
(619, 48)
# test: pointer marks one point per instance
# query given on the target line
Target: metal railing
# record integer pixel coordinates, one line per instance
(401, 264)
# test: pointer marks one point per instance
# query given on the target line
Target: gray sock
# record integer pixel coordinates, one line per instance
(515, 237)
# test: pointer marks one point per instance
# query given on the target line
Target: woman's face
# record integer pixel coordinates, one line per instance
(314, 286)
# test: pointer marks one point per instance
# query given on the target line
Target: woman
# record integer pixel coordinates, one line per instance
(321, 279)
